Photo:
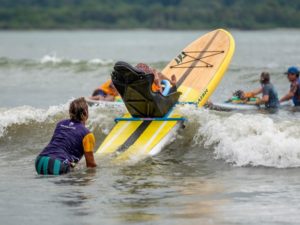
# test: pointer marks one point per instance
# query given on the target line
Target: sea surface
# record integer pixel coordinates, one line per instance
(223, 168)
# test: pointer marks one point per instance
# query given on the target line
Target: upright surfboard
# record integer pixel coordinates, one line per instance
(198, 68)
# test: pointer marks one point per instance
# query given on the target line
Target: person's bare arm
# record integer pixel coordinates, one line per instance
(257, 91)
(287, 97)
(157, 79)
(164, 77)
(157, 82)
(89, 159)
(109, 98)
(252, 94)
(290, 94)
(263, 100)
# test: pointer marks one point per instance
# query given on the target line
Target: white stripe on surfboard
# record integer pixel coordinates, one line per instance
(186, 93)
(165, 140)
(115, 136)
(155, 134)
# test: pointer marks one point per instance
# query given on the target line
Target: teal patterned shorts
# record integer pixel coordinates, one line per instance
(48, 166)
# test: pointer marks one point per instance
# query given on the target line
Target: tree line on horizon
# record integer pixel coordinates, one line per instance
(152, 14)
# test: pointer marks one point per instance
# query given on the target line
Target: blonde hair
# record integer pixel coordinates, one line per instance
(78, 109)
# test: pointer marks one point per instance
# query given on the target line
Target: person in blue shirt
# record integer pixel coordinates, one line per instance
(294, 92)
(269, 93)
(70, 141)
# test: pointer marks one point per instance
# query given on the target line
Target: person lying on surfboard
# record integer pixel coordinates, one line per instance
(269, 93)
(294, 93)
(70, 141)
(105, 92)
(158, 78)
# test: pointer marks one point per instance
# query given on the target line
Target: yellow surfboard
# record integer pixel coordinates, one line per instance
(198, 68)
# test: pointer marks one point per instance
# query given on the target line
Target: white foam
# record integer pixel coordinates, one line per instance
(52, 58)
(100, 62)
(26, 114)
(249, 140)
(102, 116)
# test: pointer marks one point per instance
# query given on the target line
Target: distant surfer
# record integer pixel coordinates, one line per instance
(294, 92)
(158, 78)
(106, 92)
(269, 93)
(70, 141)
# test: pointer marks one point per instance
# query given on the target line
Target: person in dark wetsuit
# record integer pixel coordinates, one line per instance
(70, 141)
(294, 93)
(269, 93)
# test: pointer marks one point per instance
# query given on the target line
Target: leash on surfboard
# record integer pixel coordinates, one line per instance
(193, 59)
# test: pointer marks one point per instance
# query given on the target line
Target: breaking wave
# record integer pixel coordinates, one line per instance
(53, 61)
(238, 139)
(248, 140)
(101, 117)
(23, 115)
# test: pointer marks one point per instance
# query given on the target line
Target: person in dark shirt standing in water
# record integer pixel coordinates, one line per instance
(294, 93)
(70, 141)
(269, 93)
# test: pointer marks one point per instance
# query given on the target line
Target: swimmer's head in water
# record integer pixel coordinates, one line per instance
(78, 110)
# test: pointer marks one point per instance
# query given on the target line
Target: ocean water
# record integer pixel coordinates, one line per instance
(223, 168)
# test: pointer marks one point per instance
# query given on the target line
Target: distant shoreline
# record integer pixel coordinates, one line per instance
(149, 14)
(145, 29)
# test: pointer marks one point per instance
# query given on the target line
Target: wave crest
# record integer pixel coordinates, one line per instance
(100, 117)
(249, 140)
(52, 61)
(238, 139)
(26, 114)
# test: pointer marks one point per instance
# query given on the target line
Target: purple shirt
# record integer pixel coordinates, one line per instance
(67, 141)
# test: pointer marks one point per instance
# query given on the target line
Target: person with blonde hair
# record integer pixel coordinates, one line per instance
(70, 141)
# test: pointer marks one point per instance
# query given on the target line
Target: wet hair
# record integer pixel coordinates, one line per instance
(239, 94)
(78, 109)
(264, 78)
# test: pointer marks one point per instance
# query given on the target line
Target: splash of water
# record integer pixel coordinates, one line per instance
(238, 139)
(248, 140)
(100, 117)
(26, 114)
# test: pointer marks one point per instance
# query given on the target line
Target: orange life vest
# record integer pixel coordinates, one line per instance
(155, 87)
(107, 87)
